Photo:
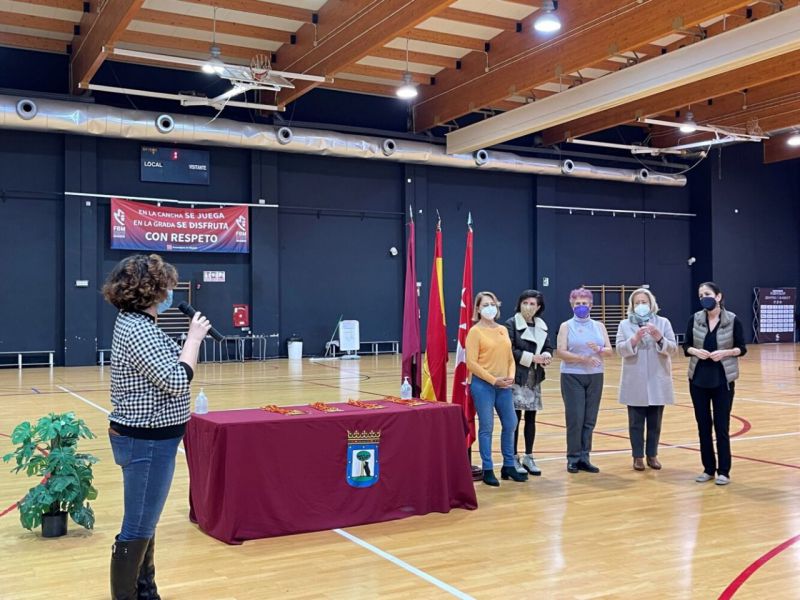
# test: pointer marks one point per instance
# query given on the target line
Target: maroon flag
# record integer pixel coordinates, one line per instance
(461, 395)
(412, 346)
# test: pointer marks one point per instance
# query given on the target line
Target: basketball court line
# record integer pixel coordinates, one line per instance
(734, 586)
(459, 594)
(404, 565)
(375, 550)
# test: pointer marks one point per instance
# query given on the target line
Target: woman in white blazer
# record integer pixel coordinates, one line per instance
(646, 343)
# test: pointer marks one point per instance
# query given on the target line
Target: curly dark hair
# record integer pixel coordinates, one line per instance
(139, 281)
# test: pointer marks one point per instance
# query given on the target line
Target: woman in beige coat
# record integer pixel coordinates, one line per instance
(645, 342)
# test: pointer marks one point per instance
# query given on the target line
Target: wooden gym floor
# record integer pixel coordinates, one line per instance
(618, 534)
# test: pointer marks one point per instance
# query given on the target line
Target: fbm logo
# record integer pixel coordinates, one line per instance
(241, 229)
(119, 227)
(363, 468)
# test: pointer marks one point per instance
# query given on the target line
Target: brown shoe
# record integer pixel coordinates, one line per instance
(638, 464)
(653, 463)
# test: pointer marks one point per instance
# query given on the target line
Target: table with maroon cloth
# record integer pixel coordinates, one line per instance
(256, 474)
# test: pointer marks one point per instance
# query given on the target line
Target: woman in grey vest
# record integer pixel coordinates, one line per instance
(582, 345)
(645, 342)
(714, 341)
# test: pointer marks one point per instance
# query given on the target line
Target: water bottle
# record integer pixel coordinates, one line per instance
(201, 403)
(405, 390)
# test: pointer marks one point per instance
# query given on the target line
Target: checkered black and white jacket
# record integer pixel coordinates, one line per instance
(149, 387)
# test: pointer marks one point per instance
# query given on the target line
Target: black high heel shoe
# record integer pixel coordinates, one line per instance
(511, 473)
(490, 479)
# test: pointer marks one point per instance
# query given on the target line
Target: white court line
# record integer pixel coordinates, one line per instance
(82, 399)
(97, 406)
(404, 565)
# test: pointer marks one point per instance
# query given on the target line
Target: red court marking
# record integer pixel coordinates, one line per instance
(745, 428)
(755, 566)
(13, 506)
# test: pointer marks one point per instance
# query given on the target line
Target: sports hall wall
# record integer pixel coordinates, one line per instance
(325, 252)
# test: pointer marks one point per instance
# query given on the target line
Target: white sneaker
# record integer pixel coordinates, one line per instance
(722, 480)
(703, 477)
(530, 465)
(518, 467)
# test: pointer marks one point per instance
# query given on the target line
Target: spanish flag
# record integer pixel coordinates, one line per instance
(434, 368)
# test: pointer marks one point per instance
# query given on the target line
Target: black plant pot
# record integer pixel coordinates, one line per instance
(54, 525)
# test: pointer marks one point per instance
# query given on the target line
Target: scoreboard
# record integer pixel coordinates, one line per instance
(774, 314)
(175, 165)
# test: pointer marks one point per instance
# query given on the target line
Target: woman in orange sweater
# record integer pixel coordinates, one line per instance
(491, 366)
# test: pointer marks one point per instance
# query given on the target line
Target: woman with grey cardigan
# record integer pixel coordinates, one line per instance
(645, 342)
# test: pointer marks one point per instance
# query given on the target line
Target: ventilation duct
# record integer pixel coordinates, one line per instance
(106, 121)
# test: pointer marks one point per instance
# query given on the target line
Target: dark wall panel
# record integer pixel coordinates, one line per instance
(756, 226)
(502, 207)
(31, 242)
(579, 248)
(336, 263)
(118, 173)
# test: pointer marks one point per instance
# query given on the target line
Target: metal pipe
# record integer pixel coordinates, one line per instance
(106, 121)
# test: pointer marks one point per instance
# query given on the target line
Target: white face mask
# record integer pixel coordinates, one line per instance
(642, 309)
(489, 312)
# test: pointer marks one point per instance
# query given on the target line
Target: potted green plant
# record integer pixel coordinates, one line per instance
(49, 450)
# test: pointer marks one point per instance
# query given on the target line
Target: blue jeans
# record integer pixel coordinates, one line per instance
(487, 399)
(147, 469)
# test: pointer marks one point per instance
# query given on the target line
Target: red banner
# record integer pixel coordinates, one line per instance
(461, 393)
(143, 226)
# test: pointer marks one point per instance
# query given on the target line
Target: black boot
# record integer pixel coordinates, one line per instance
(489, 478)
(146, 583)
(511, 473)
(126, 559)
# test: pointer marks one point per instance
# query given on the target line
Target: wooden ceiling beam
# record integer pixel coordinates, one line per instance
(65, 4)
(257, 7)
(422, 58)
(102, 29)
(565, 53)
(345, 34)
(16, 19)
(475, 18)
(384, 73)
(446, 39)
(206, 25)
(32, 42)
(169, 42)
(776, 149)
(671, 100)
(361, 87)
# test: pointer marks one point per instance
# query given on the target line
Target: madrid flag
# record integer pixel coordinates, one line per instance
(412, 347)
(434, 370)
(461, 395)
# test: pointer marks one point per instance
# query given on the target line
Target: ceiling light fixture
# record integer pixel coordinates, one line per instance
(794, 140)
(407, 91)
(549, 21)
(214, 64)
(688, 126)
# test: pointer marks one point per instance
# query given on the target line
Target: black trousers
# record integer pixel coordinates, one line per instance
(637, 417)
(721, 400)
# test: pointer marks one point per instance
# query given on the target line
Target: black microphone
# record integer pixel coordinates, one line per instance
(189, 311)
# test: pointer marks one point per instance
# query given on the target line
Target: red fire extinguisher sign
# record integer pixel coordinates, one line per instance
(241, 315)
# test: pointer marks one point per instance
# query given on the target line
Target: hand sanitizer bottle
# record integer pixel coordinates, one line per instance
(201, 403)
(405, 390)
